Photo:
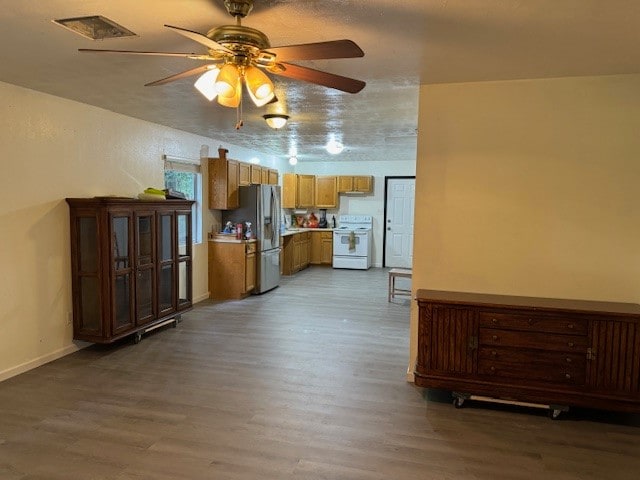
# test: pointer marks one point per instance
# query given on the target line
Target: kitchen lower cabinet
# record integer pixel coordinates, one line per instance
(296, 252)
(232, 268)
(131, 265)
(321, 248)
(554, 352)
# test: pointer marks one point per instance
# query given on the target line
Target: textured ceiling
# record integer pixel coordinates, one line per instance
(406, 43)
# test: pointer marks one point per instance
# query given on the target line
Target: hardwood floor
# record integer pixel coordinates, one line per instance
(305, 382)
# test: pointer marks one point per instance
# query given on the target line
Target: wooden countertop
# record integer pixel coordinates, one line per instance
(542, 304)
(290, 232)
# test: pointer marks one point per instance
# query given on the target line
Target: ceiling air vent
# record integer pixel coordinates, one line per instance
(95, 27)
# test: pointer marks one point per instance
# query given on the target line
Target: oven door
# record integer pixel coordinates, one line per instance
(344, 245)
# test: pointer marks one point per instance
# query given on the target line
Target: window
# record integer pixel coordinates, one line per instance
(186, 178)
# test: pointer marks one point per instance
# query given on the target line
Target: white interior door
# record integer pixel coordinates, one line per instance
(399, 228)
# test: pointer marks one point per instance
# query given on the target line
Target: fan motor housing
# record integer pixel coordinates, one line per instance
(240, 38)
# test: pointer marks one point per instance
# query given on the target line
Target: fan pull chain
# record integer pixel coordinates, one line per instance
(239, 122)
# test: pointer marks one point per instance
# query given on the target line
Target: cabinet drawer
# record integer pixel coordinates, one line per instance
(535, 323)
(537, 340)
(251, 247)
(532, 365)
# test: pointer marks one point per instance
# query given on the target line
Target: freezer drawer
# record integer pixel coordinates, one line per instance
(268, 270)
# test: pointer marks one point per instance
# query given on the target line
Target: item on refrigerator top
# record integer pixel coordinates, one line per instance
(323, 218)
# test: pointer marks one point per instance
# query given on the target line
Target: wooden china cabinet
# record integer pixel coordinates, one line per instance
(131, 265)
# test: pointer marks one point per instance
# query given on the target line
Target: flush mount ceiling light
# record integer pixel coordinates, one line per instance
(334, 147)
(276, 120)
(237, 55)
(293, 161)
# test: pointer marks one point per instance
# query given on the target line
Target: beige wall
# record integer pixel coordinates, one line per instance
(51, 148)
(530, 188)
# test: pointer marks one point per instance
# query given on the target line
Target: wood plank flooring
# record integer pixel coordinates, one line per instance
(305, 382)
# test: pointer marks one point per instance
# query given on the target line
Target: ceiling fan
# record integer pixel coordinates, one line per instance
(237, 54)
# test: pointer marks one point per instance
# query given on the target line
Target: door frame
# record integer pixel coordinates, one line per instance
(384, 221)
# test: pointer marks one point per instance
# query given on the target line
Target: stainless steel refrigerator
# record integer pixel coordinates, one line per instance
(260, 205)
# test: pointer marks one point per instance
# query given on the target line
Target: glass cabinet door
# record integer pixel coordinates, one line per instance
(167, 260)
(145, 267)
(121, 265)
(184, 259)
(88, 312)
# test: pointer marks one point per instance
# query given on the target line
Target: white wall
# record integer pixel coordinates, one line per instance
(529, 188)
(372, 204)
(52, 148)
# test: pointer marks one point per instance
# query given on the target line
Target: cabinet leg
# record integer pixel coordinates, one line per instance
(459, 399)
(137, 337)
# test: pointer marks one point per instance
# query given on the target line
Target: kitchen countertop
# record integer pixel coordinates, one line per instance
(229, 239)
(293, 231)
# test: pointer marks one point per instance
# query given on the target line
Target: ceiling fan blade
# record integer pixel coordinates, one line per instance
(193, 56)
(178, 76)
(200, 38)
(317, 51)
(326, 79)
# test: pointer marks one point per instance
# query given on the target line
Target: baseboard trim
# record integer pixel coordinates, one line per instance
(201, 298)
(37, 362)
(410, 376)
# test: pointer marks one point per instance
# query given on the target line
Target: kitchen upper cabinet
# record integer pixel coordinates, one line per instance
(306, 187)
(273, 177)
(256, 174)
(355, 183)
(224, 180)
(298, 191)
(244, 174)
(131, 265)
(326, 191)
(265, 176)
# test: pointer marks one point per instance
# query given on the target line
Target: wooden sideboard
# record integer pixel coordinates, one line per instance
(554, 352)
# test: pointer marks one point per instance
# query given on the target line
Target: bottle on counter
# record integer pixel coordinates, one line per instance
(248, 234)
(239, 231)
(333, 221)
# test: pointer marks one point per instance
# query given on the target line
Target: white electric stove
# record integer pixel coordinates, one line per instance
(352, 242)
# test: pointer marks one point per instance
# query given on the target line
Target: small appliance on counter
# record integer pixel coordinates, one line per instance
(322, 223)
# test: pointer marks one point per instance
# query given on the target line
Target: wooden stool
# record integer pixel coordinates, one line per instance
(393, 291)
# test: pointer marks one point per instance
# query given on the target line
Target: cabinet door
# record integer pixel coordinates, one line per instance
(305, 250)
(327, 249)
(273, 177)
(265, 176)
(250, 272)
(448, 340)
(166, 264)
(345, 183)
(289, 190)
(122, 317)
(363, 184)
(223, 184)
(297, 255)
(145, 267)
(256, 174)
(306, 191)
(244, 174)
(184, 245)
(85, 235)
(316, 248)
(612, 360)
(326, 192)
(233, 196)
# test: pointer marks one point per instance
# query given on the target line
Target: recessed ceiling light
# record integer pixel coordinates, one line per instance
(95, 27)
(334, 147)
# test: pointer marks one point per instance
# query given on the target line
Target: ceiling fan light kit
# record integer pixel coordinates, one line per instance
(237, 54)
(276, 120)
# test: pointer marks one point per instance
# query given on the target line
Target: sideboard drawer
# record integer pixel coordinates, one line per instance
(535, 340)
(538, 323)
